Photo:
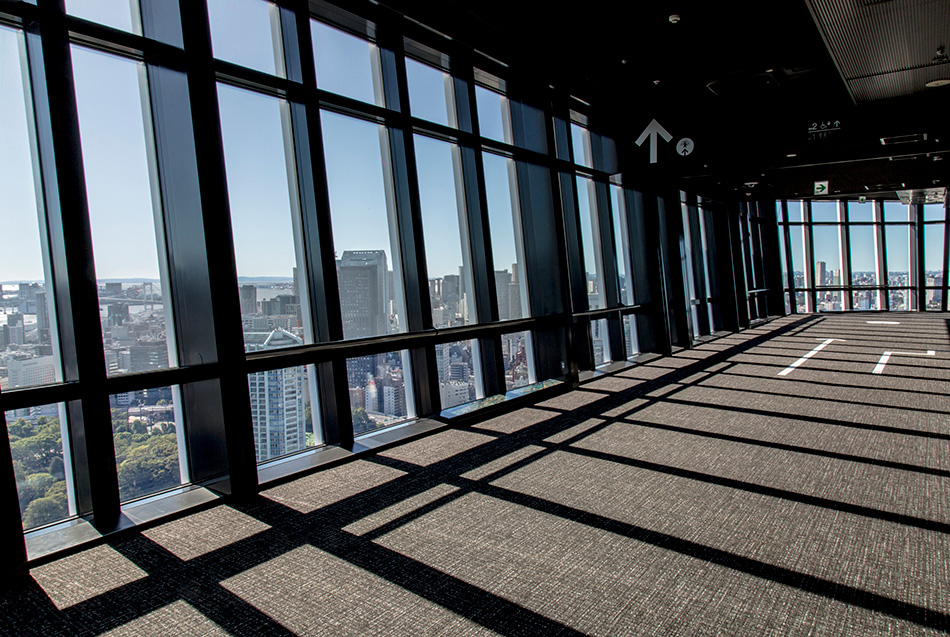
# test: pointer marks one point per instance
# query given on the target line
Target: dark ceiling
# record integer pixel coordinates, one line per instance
(780, 93)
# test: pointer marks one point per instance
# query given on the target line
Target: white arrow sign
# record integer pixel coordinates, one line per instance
(652, 130)
(886, 356)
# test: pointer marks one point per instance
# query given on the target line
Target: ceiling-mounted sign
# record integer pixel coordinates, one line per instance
(821, 187)
(822, 129)
(652, 130)
(684, 146)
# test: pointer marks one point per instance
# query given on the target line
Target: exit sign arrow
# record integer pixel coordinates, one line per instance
(652, 130)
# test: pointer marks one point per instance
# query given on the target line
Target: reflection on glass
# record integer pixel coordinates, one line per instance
(580, 141)
(494, 120)
(247, 32)
(363, 217)
(265, 218)
(827, 248)
(782, 229)
(147, 431)
(28, 354)
(446, 233)
(896, 211)
(621, 241)
(346, 65)
(590, 242)
(43, 477)
(519, 365)
(864, 255)
(600, 342)
(458, 377)
(124, 211)
(934, 237)
(283, 412)
(430, 93)
(380, 391)
(118, 14)
(631, 338)
(505, 228)
(860, 212)
(824, 211)
(935, 212)
(897, 245)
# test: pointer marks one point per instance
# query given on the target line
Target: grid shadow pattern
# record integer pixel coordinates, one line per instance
(698, 494)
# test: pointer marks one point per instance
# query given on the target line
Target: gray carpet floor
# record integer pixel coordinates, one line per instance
(700, 494)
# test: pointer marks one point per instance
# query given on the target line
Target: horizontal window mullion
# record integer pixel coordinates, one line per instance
(40, 395)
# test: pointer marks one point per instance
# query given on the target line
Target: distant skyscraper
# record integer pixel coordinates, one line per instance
(502, 285)
(277, 399)
(364, 293)
(821, 269)
(249, 299)
(42, 317)
(32, 372)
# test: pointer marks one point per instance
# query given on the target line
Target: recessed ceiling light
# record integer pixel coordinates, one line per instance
(936, 83)
(674, 18)
(792, 155)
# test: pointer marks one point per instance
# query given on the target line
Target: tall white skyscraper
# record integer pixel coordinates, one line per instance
(278, 408)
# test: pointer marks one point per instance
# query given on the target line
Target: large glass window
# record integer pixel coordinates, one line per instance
(283, 411)
(346, 65)
(118, 14)
(590, 242)
(43, 477)
(265, 217)
(517, 352)
(860, 212)
(506, 239)
(363, 216)
(247, 32)
(147, 432)
(934, 264)
(431, 95)
(380, 391)
(124, 211)
(863, 255)
(494, 118)
(457, 365)
(448, 259)
(28, 346)
(824, 211)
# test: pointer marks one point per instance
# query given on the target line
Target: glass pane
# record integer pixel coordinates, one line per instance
(621, 244)
(505, 230)
(897, 243)
(247, 32)
(782, 229)
(935, 212)
(430, 93)
(27, 354)
(580, 139)
(147, 431)
(824, 211)
(533, 124)
(934, 236)
(265, 217)
(600, 342)
(590, 242)
(519, 369)
(788, 303)
(362, 214)
(380, 394)
(827, 256)
(43, 477)
(346, 65)
(798, 255)
(860, 211)
(863, 255)
(829, 300)
(124, 211)
(631, 337)
(899, 299)
(446, 232)
(283, 412)
(458, 378)
(896, 211)
(865, 300)
(494, 121)
(796, 211)
(118, 14)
